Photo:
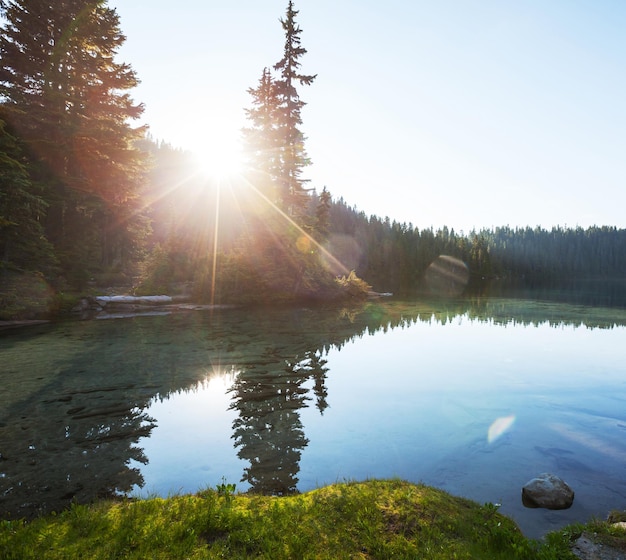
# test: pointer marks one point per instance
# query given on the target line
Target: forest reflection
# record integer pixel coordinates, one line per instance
(75, 411)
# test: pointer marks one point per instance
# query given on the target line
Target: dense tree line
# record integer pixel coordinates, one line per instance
(395, 256)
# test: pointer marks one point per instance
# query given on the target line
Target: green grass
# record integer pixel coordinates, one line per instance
(374, 519)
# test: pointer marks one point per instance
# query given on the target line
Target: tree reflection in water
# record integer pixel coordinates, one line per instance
(84, 456)
(75, 396)
(268, 431)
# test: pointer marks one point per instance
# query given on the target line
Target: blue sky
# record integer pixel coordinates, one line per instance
(465, 113)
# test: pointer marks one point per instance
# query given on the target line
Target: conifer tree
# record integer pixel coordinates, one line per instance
(294, 156)
(23, 245)
(67, 97)
(322, 214)
(262, 140)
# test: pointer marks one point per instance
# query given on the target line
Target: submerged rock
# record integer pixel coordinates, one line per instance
(547, 491)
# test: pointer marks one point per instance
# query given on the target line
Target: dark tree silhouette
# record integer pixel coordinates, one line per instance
(294, 156)
(67, 98)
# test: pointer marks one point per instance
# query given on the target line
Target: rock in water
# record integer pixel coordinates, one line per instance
(547, 491)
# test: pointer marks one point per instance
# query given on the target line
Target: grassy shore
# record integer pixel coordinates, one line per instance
(374, 519)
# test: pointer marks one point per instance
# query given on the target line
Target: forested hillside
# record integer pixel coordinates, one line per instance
(394, 256)
(89, 200)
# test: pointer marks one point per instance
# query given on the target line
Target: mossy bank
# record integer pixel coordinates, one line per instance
(374, 519)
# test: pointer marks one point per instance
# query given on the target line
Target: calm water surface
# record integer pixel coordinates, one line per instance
(475, 396)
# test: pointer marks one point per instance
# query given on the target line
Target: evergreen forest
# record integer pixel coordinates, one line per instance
(88, 199)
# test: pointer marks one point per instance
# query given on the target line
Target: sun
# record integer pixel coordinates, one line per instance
(210, 130)
(216, 147)
(218, 160)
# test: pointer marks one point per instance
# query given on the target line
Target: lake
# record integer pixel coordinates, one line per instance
(474, 395)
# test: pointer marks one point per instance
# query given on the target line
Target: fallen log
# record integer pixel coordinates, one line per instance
(136, 300)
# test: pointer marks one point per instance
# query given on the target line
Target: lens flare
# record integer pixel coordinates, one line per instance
(304, 244)
(500, 427)
(344, 249)
(447, 276)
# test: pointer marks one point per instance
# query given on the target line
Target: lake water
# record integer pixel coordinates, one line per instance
(475, 396)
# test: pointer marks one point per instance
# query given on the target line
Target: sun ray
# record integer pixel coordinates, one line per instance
(325, 252)
(215, 243)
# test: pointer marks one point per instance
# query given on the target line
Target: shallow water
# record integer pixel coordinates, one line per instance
(475, 396)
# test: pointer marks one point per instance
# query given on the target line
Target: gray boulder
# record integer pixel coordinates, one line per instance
(547, 491)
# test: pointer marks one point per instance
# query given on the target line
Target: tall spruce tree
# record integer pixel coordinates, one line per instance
(67, 97)
(293, 153)
(274, 141)
(262, 140)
